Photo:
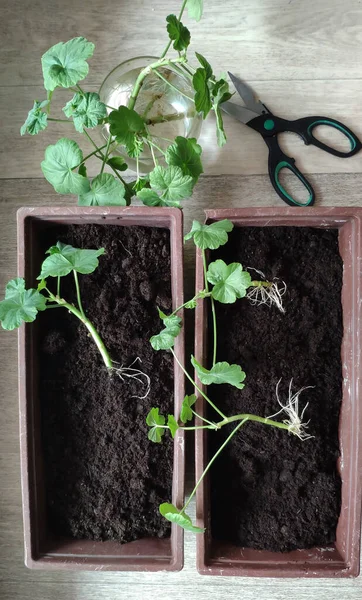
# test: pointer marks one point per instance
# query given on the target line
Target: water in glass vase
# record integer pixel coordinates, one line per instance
(167, 107)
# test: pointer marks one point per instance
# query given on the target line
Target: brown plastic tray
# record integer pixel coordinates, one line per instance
(341, 559)
(42, 550)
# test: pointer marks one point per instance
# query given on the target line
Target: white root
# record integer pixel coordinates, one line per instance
(291, 410)
(269, 295)
(136, 374)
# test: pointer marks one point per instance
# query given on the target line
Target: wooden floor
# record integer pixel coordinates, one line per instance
(303, 57)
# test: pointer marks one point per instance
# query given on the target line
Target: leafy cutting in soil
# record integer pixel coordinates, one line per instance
(65, 65)
(22, 305)
(229, 282)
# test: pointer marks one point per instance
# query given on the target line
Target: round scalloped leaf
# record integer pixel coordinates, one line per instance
(65, 63)
(20, 305)
(105, 190)
(60, 160)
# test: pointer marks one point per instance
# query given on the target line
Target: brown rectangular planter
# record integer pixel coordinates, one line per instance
(42, 550)
(342, 559)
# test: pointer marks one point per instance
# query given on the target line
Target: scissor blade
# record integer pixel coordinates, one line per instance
(247, 95)
(238, 112)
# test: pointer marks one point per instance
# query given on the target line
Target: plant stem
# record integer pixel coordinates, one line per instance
(197, 427)
(78, 294)
(201, 418)
(162, 62)
(91, 154)
(150, 105)
(249, 417)
(167, 118)
(159, 137)
(58, 287)
(197, 297)
(97, 149)
(210, 463)
(157, 147)
(171, 85)
(196, 386)
(118, 175)
(60, 120)
(79, 88)
(94, 333)
(179, 18)
(212, 309)
(106, 154)
(152, 152)
(260, 284)
(183, 66)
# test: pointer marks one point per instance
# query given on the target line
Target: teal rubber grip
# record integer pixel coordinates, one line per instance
(336, 125)
(283, 192)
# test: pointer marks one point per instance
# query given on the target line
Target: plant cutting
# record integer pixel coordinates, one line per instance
(22, 305)
(228, 283)
(65, 66)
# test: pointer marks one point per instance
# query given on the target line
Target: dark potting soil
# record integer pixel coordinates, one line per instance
(104, 478)
(269, 489)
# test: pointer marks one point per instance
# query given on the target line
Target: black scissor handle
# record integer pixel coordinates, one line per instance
(304, 127)
(279, 161)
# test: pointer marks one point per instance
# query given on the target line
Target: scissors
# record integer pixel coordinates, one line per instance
(257, 116)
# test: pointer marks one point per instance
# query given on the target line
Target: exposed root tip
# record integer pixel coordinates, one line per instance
(136, 374)
(291, 410)
(268, 295)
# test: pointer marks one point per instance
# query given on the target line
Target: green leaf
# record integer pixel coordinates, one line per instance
(41, 285)
(171, 322)
(220, 132)
(221, 372)
(171, 513)
(185, 153)
(20, 305)
(166, 338)
(204, 63)
(172, 425)
(86, 110)
(82, 170)
(65, 63)
(64, 259)
(202, 92)
(151, 198)
(37, 119)
(178, 33)
(162, 341)
(191, 304)
(195, 9)
(128, 127)
(105, 190)
(156, 422)
(141, 183)
(230, 281)
(210, 236)
(117, 162)
(171, 183)
(58, 165)
(220, 94)
(186, 412)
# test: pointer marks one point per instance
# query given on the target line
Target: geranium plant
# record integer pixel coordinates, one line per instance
(22, 305)
(225, 283)
(64, 166)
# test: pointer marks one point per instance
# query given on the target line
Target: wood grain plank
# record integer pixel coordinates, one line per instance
(301, 58)
(244, 154)
(265, 39)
